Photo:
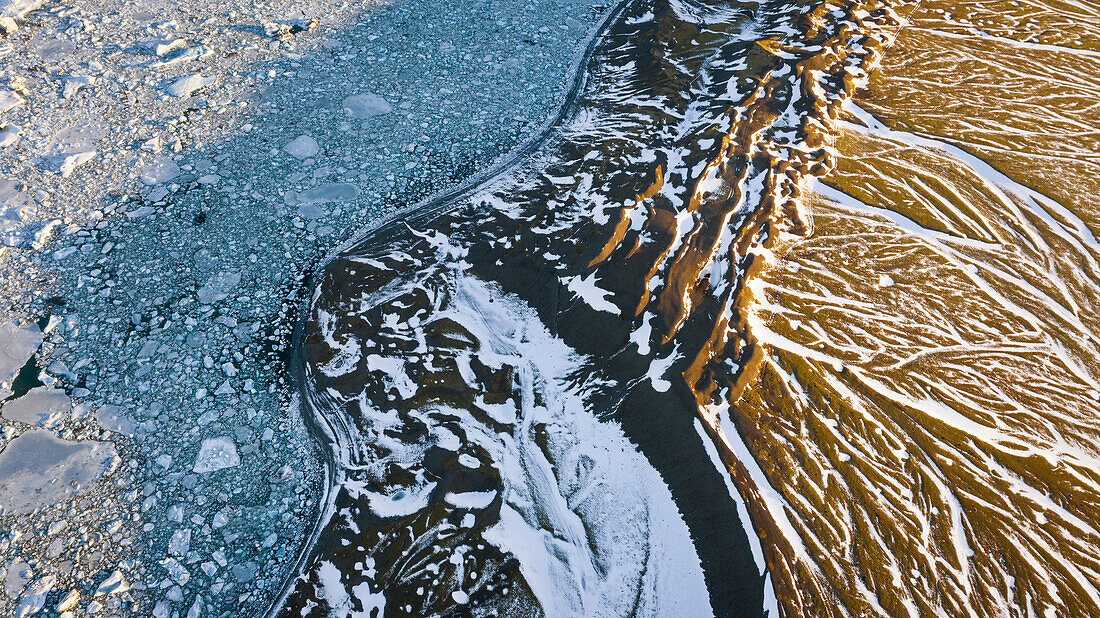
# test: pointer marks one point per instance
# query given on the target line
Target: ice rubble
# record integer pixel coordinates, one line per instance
(181, 231)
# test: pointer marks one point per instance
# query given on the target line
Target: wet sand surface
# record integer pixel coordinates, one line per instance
(930, 407)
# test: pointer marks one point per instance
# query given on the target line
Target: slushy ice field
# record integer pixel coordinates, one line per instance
(549, 308)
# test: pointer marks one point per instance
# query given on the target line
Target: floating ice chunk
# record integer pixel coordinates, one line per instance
(322, 194)
(244, 572)
(366, 105)
(113, 418)
(180, 542)
(18, 575)
(17, 344)
(217, 454)
(8, 98)
(148, 349)
(176, 572)
(115, 584)
(68, 162)
(162, 46)
(17, 210)
(34, 597)
(184, 86)
(191, 53)
(16, 9)
(69, 602)
(39, 469)
(9, 136)
(885, 281)
(74, 83)
(329, 192)
(219, 287)
(160, 171)
(302, 147)
(43, 234)
(460, 597)
(42, 406)
(196, 609)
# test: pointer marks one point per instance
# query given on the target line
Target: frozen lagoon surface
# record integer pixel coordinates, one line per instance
(168, 173)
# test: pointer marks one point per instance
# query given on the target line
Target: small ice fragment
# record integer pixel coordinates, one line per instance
(114, 418)
(218, 287)
(115, 584)
(153, 144)
(75, 83)
(460, 597)
(176, 571)
(191, 53)
(244, 572)
(34, 597)
(365, 105)
(160, 171)
(9, 136)
(180, 542)
(885, 281)
(67, 163)
(184, 86)
(69, 602)
(196, 608)
(163, 46)
(8, 99)
(329, 192)
(17, 9)
(217, 454)
(303, 147)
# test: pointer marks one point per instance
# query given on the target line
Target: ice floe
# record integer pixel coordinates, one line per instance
(39, 469)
